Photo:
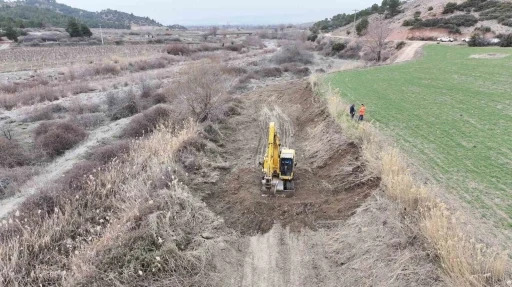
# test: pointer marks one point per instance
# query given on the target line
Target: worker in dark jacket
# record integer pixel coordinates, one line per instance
(352, 111)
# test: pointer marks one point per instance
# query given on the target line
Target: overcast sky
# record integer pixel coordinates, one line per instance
(219, 12)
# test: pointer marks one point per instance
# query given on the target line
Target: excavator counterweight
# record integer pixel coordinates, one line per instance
(278, 166)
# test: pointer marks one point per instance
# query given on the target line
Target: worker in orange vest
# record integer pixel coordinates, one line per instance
(362, 111)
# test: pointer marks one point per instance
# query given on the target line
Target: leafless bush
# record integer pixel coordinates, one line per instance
(151, 64)
(146, 122)
(293, 53)
(234, 70)
(178, 50)
(202, 88)
(12, 154)
(89, 121)
(107, 153)
(8, 87)
(269, 72)
(12, 178)
(254, 41)
(234, 48)
(54, 138)
(40, 114)
(79, 88)
(122, 106)
(296, 69)
(78, 107)
(352, 51)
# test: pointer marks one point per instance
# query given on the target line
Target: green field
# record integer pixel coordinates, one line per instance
(450, 113)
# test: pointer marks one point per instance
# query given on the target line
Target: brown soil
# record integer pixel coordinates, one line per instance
(328, 185)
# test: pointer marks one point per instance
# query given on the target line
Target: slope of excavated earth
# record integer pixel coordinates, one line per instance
(327, 175)
(336, 231)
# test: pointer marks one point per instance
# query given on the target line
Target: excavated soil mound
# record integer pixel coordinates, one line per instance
(328, 178)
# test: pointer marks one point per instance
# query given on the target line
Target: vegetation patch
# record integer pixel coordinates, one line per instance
(463, 105)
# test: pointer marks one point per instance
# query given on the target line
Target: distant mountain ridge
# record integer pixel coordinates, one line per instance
(106, 18)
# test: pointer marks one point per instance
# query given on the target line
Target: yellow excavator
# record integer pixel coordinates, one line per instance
(278, 166)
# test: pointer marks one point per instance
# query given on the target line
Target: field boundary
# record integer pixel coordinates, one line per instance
(465, 261)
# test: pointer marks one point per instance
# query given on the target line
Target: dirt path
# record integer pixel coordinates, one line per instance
(4, 46)
(59, 166)
(409, 52)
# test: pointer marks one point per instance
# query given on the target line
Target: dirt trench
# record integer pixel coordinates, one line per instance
(333, 232)
(327, 182)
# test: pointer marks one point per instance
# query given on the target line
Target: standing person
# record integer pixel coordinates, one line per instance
(352, 110)
(362, 111)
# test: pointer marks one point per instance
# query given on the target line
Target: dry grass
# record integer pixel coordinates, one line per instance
(134, 224)
(466, 262)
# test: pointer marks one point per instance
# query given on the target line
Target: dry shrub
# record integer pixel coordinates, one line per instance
(146, 122)
(293, 53)
(178, 50)
(254, 41)
(90, 121)
(296, 69)
(116, 227)
(106, 69)
(40, 114)
(234, 48)
(38, 95)
(11, 179)
(56, 137)
(151, 64)
(80, 88)
(465, 261)
(269, 72)
(12, 154)
(234, 70)
(105, 154)
(122, 106)
(202, 89)
(9, 87)
(78, 107)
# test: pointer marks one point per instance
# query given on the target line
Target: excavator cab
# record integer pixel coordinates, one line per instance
(278, 167)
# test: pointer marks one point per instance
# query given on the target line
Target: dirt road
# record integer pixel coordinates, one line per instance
(409, 52)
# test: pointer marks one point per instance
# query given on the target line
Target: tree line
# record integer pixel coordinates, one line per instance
(390, 8)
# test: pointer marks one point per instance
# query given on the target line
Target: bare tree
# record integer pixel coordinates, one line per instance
(202, 89)
(214, 30)
(375, 39)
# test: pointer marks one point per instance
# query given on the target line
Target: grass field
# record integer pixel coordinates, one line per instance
(452, 114)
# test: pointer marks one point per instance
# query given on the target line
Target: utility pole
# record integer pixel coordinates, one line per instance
(355, 17)
(101, 33)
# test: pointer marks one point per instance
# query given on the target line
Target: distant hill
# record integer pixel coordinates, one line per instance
(429, 19)
(37, 11)
(177, 27)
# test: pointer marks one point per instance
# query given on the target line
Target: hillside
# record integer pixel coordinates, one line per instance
(33, 13)
(426, 19)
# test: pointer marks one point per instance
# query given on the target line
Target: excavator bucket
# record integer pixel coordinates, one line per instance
(277, 187)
